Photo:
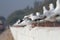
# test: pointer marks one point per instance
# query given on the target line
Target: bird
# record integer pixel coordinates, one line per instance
(49, 13)
(25, 22)
(32, 16)
(37, 13)
(51, 9)
(45, 11)
(36, 17)
(51, 6)
(56, 11)
(57, 5)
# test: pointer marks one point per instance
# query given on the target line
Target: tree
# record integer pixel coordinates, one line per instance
(15, 16)
(19, 14)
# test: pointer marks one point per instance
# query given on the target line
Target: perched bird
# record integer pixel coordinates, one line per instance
(57, 9)
(45, 11)
(49, 13)
(25, 22)
(38, 14)
(32, 16)
(51, 6)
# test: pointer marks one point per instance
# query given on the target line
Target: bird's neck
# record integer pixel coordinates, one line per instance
(44, 11)
(51, 8)
(58, 4)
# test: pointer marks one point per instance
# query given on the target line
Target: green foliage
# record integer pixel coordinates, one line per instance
(19, 14)
(15, 16)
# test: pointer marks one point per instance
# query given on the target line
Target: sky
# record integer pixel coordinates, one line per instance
(9, 6)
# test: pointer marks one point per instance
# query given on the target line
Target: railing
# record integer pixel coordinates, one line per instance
(47, 24)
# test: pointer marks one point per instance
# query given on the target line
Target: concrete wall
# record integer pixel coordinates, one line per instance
(37, 33)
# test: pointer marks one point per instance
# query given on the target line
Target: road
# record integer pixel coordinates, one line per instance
(6, 35)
